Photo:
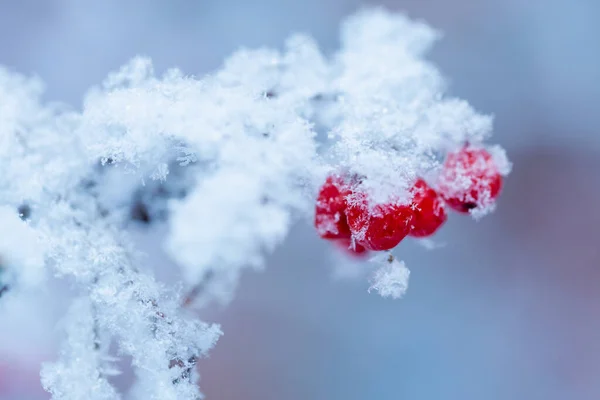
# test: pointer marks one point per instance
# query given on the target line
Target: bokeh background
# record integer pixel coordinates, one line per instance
(505, 308)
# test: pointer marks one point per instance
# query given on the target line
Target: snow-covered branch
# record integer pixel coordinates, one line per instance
(229, 161)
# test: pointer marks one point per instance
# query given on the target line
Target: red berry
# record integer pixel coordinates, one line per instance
(470, 179)
(377, 226)
(350, 247)
(330, 217)
(428, 209)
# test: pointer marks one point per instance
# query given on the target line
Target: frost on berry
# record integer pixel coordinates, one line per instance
(377, 226)
(428, 210)
(470, 180)
(330, 213)
(392, 122)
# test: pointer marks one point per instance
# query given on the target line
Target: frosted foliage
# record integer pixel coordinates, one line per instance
(228, 162)
(263, 149)
(79, 374)
(391, 278)
(68, 233)
(38, 152)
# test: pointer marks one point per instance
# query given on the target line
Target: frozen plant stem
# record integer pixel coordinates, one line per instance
(197, 290)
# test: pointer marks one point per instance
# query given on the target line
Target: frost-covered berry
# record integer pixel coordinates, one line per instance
(330, 216)
(377, 226)
(351, 247)
(470, 180)
(428, 210)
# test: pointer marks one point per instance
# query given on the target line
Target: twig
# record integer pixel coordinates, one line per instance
(198, 289)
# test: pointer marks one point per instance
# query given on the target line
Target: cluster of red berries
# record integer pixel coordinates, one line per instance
(344, 213)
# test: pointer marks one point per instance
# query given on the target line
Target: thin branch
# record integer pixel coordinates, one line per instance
(198, 289)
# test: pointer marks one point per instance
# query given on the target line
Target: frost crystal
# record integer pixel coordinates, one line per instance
(391, 278)
(228, 162)
(75, 377)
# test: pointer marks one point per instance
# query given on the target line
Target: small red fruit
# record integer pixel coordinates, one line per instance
(330, 216)
(351, 248)
(470, 179)
(377, 226)
(428, 209)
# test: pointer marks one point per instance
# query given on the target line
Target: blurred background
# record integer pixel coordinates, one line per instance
(505, 308)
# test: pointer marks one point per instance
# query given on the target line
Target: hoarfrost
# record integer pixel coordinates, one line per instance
(229, 161)
(391, 278)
